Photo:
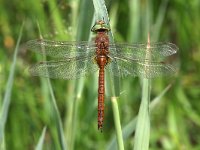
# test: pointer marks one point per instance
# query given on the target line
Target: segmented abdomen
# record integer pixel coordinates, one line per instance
(101, 92)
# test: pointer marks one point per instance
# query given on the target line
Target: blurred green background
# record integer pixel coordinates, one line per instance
(175, 120)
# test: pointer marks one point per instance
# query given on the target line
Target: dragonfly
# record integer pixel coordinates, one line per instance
(72, 60)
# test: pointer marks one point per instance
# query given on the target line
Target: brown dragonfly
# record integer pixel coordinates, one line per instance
(76, 59)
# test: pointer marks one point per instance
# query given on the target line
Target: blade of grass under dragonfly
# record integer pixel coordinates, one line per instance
(100, 10)
(113, 13)
(129, 129)
(7, 96)
(102, 14)
(41, 140)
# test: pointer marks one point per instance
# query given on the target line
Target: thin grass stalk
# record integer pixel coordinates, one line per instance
(7, 96)
(159, 20)
(57, 117)
(117, 123)
(53, 105)
(56, 17)
(72, 99)
(134, 33)
(72, 131)
(41, 140)
(172, 121)
(74, 5)
(48, 108)
(184, 101)
(78, 92)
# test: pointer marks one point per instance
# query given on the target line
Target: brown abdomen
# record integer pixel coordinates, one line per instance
(101, 92)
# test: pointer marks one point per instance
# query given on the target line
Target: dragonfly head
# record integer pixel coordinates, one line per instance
(100, 26)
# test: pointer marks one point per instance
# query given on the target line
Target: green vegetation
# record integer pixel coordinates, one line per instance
(59, 114)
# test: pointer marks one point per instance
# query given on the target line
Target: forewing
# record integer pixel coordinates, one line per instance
(158, 51)
(61, 49)
(145, 69)
(64, 69)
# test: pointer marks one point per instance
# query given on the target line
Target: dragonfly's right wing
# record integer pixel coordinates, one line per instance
(64, 69)
(62, 49)
(157, 51)
(146, 69)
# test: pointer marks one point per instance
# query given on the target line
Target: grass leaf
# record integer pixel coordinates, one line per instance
(7, 96)
(41, 140)
(143, 122)
(129, 129)
(117, 123)
(57, 118)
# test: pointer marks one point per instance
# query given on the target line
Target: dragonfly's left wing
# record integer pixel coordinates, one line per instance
(62, 49)
(64, 69)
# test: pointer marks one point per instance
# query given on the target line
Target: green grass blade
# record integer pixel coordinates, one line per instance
(74, 111)
(117, 123)
(7, 96)
(54, 107)
(185, 102)
(158, 98)
(56, 17)
(133, 34)
(142, 133)
(101, 12)
(129, 129)
(57, 118)
(143, 122)
(159, 20)
(41, 140)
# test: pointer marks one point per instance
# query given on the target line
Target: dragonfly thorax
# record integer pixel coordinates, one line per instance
(102, 40)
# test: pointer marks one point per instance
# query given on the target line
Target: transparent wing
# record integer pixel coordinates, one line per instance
(158, 51)
(61, 49)
(145, 69)
(64, 69)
